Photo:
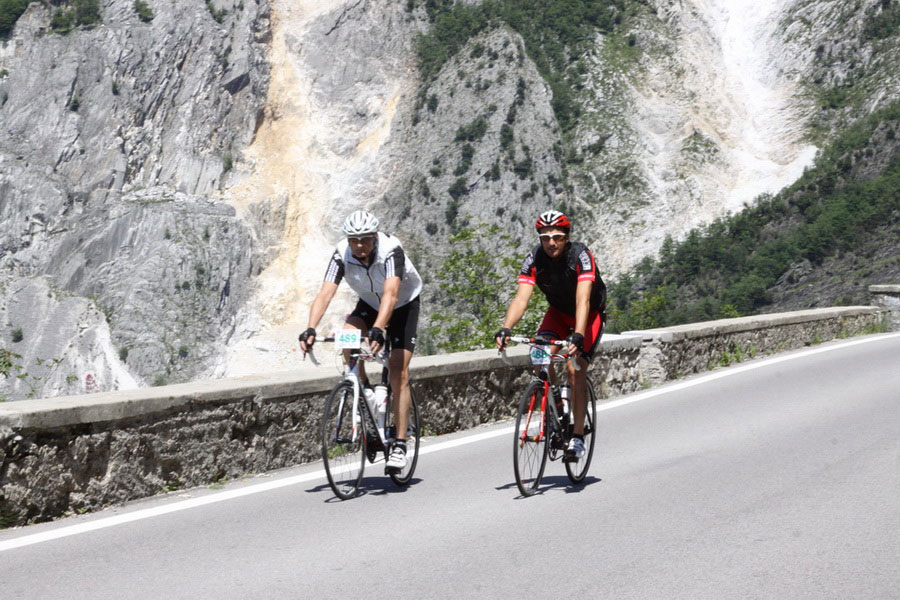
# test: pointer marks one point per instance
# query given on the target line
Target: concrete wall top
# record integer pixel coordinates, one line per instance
(111, 406)
(884, 289)
(741, 324)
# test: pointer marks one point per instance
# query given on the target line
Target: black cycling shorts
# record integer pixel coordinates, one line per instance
(401, 329)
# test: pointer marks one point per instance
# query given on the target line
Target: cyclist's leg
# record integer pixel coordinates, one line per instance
(362, 318)
(401, 331)
(399, 367)
(578, 378)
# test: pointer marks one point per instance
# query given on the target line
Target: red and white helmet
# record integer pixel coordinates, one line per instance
(553, 218)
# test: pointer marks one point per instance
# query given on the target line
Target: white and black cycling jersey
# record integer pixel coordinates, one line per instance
(388, 260)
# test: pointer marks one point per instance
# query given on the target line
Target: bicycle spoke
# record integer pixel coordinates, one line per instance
(577, 470)
(412, 443)
(530, 447)
(343, 449)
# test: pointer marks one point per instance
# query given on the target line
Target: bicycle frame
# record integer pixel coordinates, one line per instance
(351, 375)
(544, 377)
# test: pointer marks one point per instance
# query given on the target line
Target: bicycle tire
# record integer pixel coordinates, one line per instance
(344, 457)
(577, 470)
(412, 443)
(530, 448)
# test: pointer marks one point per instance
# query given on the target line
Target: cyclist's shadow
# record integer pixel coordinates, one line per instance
(555, 482)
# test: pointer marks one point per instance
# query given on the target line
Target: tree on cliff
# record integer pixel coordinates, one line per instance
(478, 284)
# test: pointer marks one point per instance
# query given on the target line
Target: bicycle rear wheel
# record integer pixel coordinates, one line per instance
(530, 443)
(343, 452)
(412, 443)
(577, 470)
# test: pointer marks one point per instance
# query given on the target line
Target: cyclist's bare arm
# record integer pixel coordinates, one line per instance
(318, 308)
(518, 306)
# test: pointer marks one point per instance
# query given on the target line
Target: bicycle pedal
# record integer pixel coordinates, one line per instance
(392, 470)
(570, 458)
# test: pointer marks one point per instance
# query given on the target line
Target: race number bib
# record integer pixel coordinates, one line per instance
(539, 356)
(348, 339)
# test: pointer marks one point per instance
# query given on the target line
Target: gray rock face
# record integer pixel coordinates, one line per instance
(116, 140)
(482, 146)
(61, 343)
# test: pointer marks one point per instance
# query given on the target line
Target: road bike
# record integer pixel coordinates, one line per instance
(351, 433)
(545, 420)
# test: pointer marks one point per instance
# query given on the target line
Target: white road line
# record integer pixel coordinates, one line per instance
(103, 523)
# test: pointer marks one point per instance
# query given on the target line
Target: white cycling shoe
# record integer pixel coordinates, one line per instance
(575, 451)
(397, 459)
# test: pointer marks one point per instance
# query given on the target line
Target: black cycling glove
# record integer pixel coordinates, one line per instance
(376, 335)
(500, 336)
(309, 333)
(577, 340)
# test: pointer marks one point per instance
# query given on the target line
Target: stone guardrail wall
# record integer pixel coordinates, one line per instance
(73, 454)
(888, 298)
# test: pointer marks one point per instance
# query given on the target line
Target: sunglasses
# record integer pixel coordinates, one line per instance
(556, 237)
(361, 239)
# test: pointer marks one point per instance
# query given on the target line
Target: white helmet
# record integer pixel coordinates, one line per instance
(360, 223)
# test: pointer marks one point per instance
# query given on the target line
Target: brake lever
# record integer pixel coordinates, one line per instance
(312, 357)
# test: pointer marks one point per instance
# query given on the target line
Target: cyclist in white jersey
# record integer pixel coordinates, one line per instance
(377, 269)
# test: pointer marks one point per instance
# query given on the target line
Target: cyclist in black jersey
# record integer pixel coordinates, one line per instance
(566, 273)
(376, 268)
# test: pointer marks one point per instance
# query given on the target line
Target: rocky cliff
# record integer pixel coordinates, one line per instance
(116, 141)
(184, 175)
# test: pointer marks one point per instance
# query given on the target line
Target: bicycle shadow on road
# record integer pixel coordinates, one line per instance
(555, 482)
(377, 485)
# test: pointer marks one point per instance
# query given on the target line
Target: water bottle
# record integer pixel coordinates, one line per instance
(381, 393)
(565, 392)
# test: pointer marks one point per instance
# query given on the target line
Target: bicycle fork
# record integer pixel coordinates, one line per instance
(543, 431)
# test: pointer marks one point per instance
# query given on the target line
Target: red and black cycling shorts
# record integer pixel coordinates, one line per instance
(559, 325)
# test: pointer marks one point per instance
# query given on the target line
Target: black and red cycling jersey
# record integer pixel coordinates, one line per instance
(558, 278)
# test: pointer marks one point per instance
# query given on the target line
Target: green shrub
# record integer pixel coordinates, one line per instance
(10, 11)
(62, 21)
(218, 14)
(506, 135)
(475, 289)
(17, 335)
(465, 162)
(143, 11)
(884, 23)
(459, 188)
(472, 132)
(87, 12)
(81, 13)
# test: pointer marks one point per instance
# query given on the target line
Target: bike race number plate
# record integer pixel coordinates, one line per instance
(539, 356)
(349, 339)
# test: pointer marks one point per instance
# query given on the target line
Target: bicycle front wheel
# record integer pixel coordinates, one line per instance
(412, 443)
(343, 450)
(577, 470)
(530, 443)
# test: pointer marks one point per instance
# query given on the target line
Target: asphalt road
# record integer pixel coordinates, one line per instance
(778, 478)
